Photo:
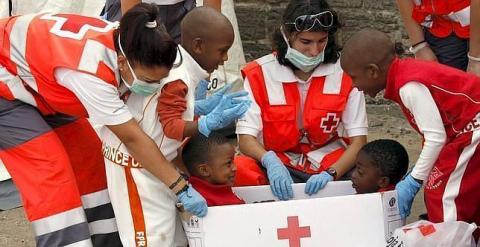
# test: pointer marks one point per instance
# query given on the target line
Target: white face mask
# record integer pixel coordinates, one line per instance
(138, 86)
(304, 63)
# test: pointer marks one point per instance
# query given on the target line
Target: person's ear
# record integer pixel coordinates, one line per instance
(198, 45)
(384, 182)
(203, 170)
(122, 62)
(373, 71)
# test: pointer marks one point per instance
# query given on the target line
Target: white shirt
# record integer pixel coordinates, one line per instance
(162, 2)
(418, 100)
(104, 107)
(354, 118)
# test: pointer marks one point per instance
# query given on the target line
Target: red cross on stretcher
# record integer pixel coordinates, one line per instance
(330, 122)
(293, 232)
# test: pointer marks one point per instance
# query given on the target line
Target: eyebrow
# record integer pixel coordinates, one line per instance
(147, 78)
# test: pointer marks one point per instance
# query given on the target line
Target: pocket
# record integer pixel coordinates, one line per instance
(280, 131)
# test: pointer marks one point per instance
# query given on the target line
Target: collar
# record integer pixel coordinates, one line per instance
(391, 75)
(284, 74)
(198, 182)
(194, 69)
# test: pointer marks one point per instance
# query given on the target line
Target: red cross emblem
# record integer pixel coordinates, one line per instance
(293, 232)
(76, 26)
(330, 122)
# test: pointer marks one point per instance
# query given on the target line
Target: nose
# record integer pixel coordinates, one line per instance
(316, 49)
(225, 57)
(234, 167)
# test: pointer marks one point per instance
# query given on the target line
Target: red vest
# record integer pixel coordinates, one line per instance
(215, 195)
(443, 17)
(33, 46)
(322, 112)
(456, 93)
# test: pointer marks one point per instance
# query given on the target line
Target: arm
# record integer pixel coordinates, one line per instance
(420, 103)
(216, 4)
(145, 151)
(355, 123)
(250, 146)
(172, 104)
(414, 30)
(474, 66)
(128, 4)
(347, 161)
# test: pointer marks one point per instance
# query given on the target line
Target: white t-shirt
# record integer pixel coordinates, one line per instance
(104, 107)
(418, 100)
(162, 2)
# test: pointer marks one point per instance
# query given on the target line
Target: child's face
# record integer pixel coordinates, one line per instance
(220, 167)
(214, 51)
(366, 177)
(368, 79)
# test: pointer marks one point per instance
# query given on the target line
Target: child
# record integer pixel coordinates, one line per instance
(380, 165)
(210, 163)
(443, 105)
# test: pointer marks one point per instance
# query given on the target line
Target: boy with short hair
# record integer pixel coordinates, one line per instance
(210, 163)
(443, 105)
(379, 166)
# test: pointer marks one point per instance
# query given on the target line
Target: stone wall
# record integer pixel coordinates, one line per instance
(257, 19)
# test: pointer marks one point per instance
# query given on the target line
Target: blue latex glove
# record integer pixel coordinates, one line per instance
(205, 106)
(193, 202)
(222, 116)
(317, 182)
(278, 175)
(201, 90)
(406, 191)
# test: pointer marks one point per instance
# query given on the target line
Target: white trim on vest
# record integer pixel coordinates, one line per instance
(16, 87)
(18, 45)
(95, 52)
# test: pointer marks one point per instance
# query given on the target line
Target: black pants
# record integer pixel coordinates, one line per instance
(450, 50)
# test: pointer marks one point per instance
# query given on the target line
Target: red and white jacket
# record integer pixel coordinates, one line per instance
(33, 46)
(302, 128)
(442, 17)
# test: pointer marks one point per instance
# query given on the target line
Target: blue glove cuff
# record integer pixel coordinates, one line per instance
(202, 126)
(412, 182)
(267, 159)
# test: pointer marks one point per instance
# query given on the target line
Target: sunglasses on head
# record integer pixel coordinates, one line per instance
(307, 22)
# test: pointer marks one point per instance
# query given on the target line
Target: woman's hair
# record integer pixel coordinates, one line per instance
(295, 9)
(148, 46)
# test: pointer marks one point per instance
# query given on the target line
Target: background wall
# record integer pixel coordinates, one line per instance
(257, 19)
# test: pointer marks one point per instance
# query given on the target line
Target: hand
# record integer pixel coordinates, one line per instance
(426, 53)
(206, 105)
(406, 191)
(201, 90)
(193, 202)
(222, 115)
(473, 67)
(278, 175)
(317, 182)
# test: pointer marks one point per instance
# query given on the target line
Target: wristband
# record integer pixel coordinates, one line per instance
(476, 59)
(176, 182)
(183, 189)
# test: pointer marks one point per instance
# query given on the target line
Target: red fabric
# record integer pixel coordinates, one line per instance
(438, 9)
(452, 90)
(248, 172)
(42, 172)
(216, 195)
(62, 46)
(171, 106)
(321, 115)
(457, 111)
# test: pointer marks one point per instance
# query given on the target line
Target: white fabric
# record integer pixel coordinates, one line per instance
(4, 175)
(104, 107)
(418, 100)
(4, 9)
(82, 7)
(230, 71)
(158, 206)
(354, 118)
(162, 2)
